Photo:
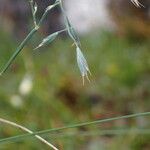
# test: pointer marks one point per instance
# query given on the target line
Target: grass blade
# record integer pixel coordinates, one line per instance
(18, 50)
(23, 136)
(28, 131)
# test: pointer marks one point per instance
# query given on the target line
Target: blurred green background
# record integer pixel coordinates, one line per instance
(43, 89)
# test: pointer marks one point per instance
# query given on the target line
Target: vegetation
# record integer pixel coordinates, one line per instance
(55, 97)
(119, 86)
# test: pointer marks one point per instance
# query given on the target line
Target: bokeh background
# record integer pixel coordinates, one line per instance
(43, 89)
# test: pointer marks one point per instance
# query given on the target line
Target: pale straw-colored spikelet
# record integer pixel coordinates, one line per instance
(137, 3)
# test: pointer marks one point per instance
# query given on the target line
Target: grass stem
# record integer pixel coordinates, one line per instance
(25, 41)
(28, 131)
(23, 136)
(18, 50)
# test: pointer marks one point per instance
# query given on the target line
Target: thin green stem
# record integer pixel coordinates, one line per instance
(62, 31)
(42, 18)
(46, 12)
(4, 121)
(18, 50)
(101, 132)
(23, 136)
(25, 41)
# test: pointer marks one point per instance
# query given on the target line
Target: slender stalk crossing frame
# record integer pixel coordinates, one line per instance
(4, 121)
(23, 136)
(83, 68)
(28, 37)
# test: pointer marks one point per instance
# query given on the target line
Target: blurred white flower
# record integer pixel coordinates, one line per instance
(16, 101)
(26, 84)
(137, 3)
(82, 63)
